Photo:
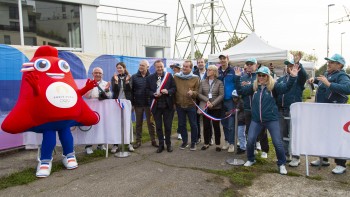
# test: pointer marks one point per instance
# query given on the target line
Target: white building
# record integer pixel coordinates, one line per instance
(85, 26)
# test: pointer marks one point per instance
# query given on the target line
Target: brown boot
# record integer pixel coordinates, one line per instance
(137, 145)
(154, 143)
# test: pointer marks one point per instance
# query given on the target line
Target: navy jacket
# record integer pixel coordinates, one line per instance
(337, 92)
(264, 106)
(296, 93)
(247, 99)
(151, 88)
(139, 95)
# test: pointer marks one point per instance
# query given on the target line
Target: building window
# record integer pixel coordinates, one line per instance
(13, 12)
(55, 23)
(155, 52)
(7, 39)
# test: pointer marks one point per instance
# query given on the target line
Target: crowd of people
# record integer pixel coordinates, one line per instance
(213, 93)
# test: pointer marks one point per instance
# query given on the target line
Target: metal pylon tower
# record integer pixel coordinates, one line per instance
(212, 27)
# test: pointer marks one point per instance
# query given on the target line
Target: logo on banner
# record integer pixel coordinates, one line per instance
(346, 127)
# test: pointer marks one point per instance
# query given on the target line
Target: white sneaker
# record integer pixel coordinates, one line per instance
(231, 148)
(225, 146)
(131, 148)
(89, 150)
(317, 163)
(338, 170)
(179, 137)
(264, 155)
(101, 147)
(294, 163)
(211, 142)
(70, 162)
(44, 169)
(114, 149)
(283, 169)
(249, 163)
(258, 146)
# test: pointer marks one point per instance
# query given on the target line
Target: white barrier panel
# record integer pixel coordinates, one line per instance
(320, 129)
(107, 131)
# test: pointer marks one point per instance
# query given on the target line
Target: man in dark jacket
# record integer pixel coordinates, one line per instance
(333, 87)
(285, 100)
(161, 88)
(140, 102)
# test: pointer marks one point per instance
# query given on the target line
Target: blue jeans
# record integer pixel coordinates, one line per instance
(241, 137)
(274, 129)
(192, 117)
(229, 123)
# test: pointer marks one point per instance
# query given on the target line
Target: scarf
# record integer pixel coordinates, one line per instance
(186, 77)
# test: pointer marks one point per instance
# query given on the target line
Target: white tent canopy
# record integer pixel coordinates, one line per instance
(253, 46)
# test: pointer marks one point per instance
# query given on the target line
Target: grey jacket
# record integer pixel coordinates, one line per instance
(217, 93)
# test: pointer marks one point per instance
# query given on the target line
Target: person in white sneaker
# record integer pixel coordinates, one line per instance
(284, 102)
(332, 86)
(121, 88)
(264, 110)
(97, 74)
(211, 94)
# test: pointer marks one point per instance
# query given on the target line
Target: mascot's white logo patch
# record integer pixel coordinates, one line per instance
(61, 95)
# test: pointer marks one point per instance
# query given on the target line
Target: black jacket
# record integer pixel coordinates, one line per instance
(151, 88)
(139, 95)
(116, 88)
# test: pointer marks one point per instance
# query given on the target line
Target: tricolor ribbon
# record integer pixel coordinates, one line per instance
(121, 105)
(162, 84)
(212, 117)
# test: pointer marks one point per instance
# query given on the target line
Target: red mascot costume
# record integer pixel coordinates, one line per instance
(49, 102)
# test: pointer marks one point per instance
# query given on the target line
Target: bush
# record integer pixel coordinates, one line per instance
(306, 94)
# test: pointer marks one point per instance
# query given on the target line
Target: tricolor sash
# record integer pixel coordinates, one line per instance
(162, 84)
(212, 117)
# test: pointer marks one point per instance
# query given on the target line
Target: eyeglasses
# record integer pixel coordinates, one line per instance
(262, 75)
(331, 62)
(249, 64)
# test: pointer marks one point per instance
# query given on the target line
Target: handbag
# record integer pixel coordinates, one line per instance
(102, 94)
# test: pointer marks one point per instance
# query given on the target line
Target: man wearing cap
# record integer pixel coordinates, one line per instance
(333, 87)
(285, 100)
(227, 76)
(201, 73)
(176, 69)
(140, 102)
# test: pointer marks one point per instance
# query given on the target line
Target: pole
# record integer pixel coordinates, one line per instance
(328, 30)
(20, 22)
(212, 51)
(192, 29)
(341, 43)
(234, 161)
(123, 153)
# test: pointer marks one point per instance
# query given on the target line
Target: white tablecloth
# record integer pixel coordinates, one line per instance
(107, 131)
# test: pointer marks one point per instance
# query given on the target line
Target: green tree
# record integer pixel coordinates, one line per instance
(197, 54)
(321, 70)
(347, 70)
(233, 41)
(304, 56)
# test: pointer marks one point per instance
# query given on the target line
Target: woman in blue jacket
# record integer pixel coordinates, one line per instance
(265, 111)
(333, 87)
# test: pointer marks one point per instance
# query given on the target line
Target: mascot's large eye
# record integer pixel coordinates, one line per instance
(64, 66)
(42, 65)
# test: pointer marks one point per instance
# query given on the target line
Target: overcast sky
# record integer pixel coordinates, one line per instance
(286, 24)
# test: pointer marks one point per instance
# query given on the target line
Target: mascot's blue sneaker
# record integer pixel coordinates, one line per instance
(69, 161)
(44, 168)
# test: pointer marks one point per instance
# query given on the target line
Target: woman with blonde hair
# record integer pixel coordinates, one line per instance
(265, 111)
(211, 95)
